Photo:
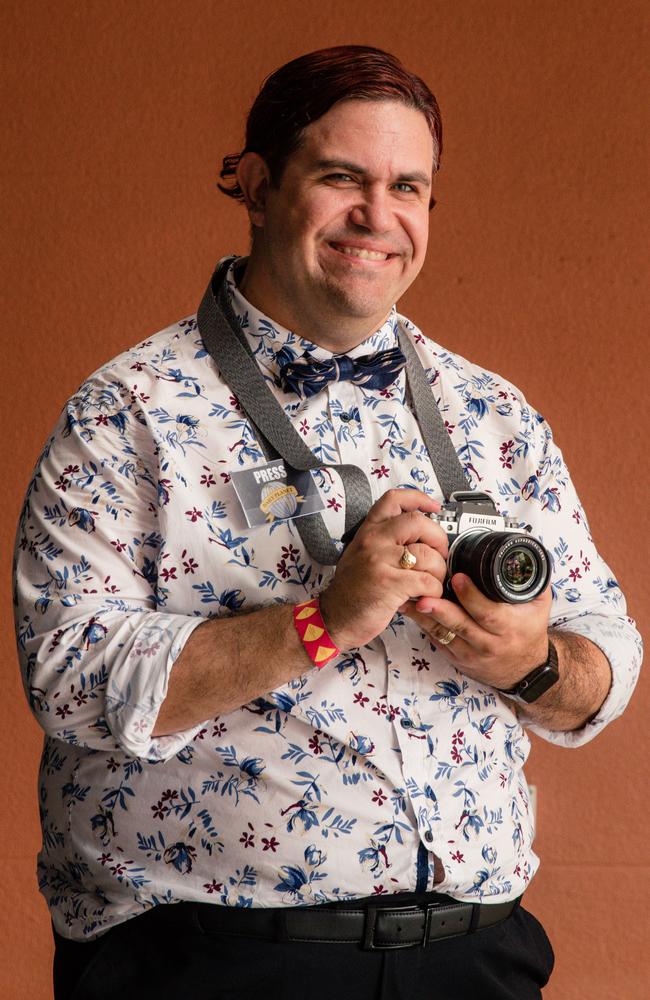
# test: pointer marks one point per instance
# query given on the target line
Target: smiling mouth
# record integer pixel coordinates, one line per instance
(361, 252)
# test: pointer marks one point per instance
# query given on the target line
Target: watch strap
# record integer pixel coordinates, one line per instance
(538, 681)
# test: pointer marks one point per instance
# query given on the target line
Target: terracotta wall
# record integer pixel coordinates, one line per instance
(117, 114)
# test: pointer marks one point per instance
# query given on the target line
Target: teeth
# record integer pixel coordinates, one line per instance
(363, 254)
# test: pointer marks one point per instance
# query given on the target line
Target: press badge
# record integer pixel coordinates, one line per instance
(275, 492)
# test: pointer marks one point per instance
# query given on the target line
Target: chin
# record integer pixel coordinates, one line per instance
(356, 309)
(359, 303)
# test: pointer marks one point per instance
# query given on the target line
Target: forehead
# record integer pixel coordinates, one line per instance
(381, 136)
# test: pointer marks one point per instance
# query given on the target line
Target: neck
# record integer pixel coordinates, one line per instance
(258, 288)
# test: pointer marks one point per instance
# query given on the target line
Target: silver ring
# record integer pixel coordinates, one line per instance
(407, 559)
(445, 639)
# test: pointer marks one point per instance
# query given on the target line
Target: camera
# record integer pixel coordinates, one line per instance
(501, 558)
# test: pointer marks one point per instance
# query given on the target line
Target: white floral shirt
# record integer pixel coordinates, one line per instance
(341, 783)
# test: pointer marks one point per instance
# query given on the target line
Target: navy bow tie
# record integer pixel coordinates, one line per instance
(307, 376)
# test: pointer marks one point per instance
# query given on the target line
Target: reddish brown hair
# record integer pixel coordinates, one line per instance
(303, 90)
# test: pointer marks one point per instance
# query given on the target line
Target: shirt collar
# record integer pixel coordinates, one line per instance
(273, 345)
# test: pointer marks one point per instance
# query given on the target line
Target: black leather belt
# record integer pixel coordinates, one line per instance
(370, 926)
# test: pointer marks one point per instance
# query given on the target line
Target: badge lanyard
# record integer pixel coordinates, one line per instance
(277, 436)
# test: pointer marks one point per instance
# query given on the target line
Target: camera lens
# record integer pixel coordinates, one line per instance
(519, 568)
(505, 566)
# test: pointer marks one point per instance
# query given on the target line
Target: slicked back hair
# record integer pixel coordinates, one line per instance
(305, 89)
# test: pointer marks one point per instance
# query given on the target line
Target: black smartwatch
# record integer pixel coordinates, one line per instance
(538, 681)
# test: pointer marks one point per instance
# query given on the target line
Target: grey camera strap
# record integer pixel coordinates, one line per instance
(277, 436)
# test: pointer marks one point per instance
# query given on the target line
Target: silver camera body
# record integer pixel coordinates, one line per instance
(506, 562)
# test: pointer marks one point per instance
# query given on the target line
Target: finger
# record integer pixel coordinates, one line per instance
(415, 526)
(445, 616)
(399, 501)
(490, 615)
(428, 559)
(421, 585)
(496, 617)
(457, 649)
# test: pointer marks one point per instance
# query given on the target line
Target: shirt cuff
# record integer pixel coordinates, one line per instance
(621, 644)
(132, 708)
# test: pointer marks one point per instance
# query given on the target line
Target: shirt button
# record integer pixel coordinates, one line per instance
(406, 724)
(345, 417)
(428, 836)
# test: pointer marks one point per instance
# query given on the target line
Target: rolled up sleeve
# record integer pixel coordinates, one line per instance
(587, 599)
(621, 643)
(95, 646)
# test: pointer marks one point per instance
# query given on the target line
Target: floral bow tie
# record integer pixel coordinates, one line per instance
(307, 376)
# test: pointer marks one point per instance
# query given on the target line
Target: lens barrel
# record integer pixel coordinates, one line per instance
(504, 565)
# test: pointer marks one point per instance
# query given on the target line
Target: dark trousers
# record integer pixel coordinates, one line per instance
(166, 954)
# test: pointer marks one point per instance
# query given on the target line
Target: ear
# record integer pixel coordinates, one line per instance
(254, 178)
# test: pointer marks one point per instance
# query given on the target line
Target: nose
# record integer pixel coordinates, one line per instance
(373, 211)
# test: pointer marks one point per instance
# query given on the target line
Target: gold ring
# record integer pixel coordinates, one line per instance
(445, 639)
(407, 559)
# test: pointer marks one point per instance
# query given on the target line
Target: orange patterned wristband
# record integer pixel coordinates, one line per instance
(313, 634)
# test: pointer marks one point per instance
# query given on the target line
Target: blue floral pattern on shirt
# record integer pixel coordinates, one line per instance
(333, 786)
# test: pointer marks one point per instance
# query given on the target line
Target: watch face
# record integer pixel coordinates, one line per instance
(538, 680)
(531, 690)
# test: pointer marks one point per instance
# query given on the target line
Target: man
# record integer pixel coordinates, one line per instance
(264, 769)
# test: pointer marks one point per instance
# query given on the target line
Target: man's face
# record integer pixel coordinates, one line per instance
(345, 234)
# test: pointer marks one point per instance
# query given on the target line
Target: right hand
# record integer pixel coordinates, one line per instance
(369, 585)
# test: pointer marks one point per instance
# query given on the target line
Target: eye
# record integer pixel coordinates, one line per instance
(339, 178)
(405, 188)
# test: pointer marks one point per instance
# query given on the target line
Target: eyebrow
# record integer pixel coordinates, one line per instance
(354, 168)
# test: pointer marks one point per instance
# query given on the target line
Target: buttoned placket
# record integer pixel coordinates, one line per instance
(403, 678)
(345, 409)
(404, 689)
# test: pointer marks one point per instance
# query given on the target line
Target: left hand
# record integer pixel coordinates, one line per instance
(496, 643)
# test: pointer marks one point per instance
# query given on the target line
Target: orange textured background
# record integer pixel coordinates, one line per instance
(117, 114)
